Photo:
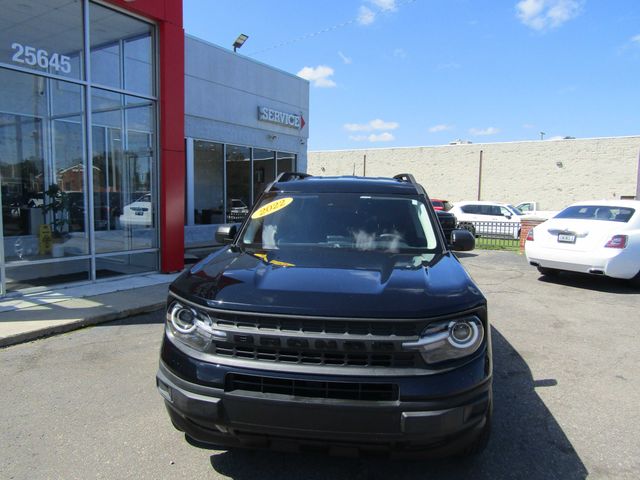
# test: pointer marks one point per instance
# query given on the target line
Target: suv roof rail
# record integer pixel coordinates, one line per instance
(286, 177)
(406, 177)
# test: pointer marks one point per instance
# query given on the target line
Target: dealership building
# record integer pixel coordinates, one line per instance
(123, 141)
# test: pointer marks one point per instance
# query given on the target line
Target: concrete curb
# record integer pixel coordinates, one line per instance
(76, 325)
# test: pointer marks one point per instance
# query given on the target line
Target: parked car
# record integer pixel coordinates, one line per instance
(237, 210)
(441, 204)
(484, 218)
(138, 213)
(532, 209)
(597, 237)
(336, 316)
(448, 222)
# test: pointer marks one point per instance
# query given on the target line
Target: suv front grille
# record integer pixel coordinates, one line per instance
(316, 357)
(304, 326)
(312, 388)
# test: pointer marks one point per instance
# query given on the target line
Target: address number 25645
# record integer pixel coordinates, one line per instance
(37, 56)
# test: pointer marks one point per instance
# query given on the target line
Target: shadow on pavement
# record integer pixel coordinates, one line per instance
(591, 282)
(526, 442)
(465, 254)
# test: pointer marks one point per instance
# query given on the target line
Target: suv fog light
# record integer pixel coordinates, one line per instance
(449, 340)
(183, 319)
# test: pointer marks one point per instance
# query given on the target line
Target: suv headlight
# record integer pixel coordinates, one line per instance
(449, 340)
(192, 326)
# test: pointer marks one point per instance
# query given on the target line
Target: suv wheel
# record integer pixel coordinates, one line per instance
(635, 281)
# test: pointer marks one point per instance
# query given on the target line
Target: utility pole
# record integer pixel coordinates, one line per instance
(480, 176)
(542, 134)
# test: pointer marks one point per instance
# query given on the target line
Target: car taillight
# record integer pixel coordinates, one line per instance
(530, 236)
(617, 241)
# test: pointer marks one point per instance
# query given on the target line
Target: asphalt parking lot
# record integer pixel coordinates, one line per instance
(567, 394)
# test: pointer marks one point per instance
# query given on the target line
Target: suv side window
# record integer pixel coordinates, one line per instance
(470, 209)
(484, 210)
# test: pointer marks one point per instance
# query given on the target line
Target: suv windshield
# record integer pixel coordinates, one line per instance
(346, 220)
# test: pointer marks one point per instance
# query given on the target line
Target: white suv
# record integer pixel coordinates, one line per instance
(484, 218)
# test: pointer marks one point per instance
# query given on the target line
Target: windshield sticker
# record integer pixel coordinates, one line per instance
(272, 207)
(277, 263)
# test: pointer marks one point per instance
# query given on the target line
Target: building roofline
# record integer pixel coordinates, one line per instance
(473, 144)
(244, 57)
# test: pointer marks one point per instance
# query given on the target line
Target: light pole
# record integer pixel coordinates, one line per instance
(542, 134)
(239, 41)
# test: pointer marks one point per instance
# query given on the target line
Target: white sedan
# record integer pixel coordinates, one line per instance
(597, 237)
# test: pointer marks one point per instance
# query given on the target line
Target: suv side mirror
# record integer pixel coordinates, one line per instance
(462, 240)
(226, 233)
(508, 216)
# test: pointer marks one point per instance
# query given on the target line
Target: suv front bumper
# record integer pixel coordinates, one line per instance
(217, 418)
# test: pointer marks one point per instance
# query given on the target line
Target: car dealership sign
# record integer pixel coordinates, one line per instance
(291, 120)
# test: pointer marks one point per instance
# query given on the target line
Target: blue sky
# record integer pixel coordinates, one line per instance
(390, 73)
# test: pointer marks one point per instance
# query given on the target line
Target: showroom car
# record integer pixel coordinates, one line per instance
(138, 213)
(597, 237)
(485, 218)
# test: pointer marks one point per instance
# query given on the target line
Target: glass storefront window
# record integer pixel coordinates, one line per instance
(208, 182)
(286, 162)
(45, 36)
(45, 174)
(264, 170)
(238, 182)
(123, 172)
(121, 51)
(42, 168)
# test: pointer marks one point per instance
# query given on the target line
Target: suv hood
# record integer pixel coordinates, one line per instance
(330, 282)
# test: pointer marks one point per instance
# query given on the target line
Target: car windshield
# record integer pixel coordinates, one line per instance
(349, 221)
(514, 210)
(597, 212)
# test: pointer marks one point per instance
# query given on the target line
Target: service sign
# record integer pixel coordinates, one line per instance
(291, 120)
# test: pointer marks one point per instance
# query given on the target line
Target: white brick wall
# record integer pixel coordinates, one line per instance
(554, 173)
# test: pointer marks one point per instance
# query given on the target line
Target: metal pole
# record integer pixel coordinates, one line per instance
(364, 168)
(480, 176)
(638, 180)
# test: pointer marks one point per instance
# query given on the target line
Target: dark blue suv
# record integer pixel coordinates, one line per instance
(336, 318)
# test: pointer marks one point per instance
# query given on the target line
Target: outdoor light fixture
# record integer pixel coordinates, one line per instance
(240, 41)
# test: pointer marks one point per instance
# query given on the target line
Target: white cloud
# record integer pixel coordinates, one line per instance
(528, 125)
(636, 39)
(346, 60)
(366, 16)
(381, 137)
(385, 5)
(376, 124)
(319, 76)
(440, 128)
(543, 14)
(480, 132)
(400, 53)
